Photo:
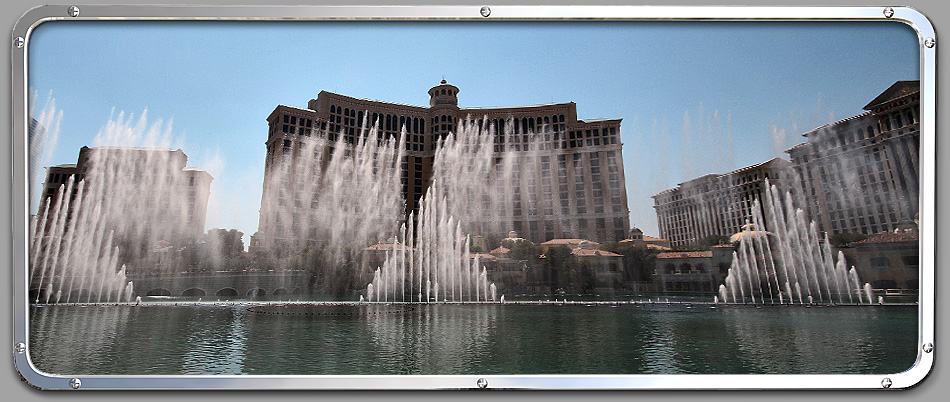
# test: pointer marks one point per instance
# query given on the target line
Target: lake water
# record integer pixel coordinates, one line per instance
(210, 338)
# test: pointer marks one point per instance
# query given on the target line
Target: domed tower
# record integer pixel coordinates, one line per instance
(444, 109)
(444, 94)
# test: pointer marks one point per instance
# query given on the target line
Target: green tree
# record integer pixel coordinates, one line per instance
(638, 263)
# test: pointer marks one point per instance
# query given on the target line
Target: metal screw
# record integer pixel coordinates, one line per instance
(888, 12)
(482, 383)
(930, 42)
(20, 348)
(75, 383)
(886, 383)
(73, 11)
(485, 11)
(19, 42)
(928, 347)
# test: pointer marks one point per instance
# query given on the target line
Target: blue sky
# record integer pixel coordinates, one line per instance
(695, 97)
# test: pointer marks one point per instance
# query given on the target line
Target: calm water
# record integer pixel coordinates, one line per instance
(460, 339)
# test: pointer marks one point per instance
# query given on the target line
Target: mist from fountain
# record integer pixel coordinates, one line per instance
(475, 187)
(788, 263)
(125, 199)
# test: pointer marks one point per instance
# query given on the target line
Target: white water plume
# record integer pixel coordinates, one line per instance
(788, 263)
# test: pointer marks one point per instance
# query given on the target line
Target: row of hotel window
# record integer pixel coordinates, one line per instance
(884, 125)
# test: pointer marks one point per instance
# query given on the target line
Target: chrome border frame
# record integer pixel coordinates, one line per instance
(20, 191)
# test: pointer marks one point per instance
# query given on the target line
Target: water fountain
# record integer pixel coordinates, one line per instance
(788, 264)
(110, 208)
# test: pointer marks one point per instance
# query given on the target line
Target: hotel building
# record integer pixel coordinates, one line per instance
(716, 204)
(861, 174)
(579, 191)
(146, 192)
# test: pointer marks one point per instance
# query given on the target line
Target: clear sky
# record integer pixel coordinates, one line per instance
(695, 97)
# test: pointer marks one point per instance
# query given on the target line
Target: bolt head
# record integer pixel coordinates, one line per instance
(18, 42)
(886, 383)
(930, 42)
(928, 347)
(485, 11)
(20, 348)
(888, 12)
(482, 383)
(73, 11)
(75, 383)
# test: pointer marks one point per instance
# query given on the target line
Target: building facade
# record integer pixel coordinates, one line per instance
(578, 190)
(143, 192)
(861, 174)
(716, 204)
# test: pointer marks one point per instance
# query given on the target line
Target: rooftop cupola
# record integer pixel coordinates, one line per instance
(444, 94)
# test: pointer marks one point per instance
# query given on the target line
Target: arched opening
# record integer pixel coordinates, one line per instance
(258, 292)
(669, 269)
(684, 268)
(297, 291)
(280, 292)
(158, 292)
(227, 292)
(193, 292)
(701, 268)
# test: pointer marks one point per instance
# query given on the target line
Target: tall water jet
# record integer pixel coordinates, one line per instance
(787, 263)
(100, 218)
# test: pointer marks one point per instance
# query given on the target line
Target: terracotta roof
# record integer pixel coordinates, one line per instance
(584, 252)
(385, 247)
(568, 242)
(657, 247)
(723, 245)
(890, 238)
(686, 254)
(651, 238)
(482, 256)
(499, 250)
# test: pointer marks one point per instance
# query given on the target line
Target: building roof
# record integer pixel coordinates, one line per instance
(899, 89)
(657, 247)
(482, 256)
(586, 252)
(567, 242)
(499, 250)
(890, 238)
(386, 247)
(686, 254)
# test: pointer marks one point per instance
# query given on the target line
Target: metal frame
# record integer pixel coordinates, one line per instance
(20, 41)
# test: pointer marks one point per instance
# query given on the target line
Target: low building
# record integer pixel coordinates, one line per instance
(693, 271)
(639, 240)
(890, 260)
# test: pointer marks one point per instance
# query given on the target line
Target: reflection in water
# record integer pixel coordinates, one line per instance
(216, 350)
(439, 339)
(79, 332)
(471, 339)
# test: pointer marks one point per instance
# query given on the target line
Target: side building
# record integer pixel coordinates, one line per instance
(148, 193)
(861, 174)
(716, 204)
(578, 191)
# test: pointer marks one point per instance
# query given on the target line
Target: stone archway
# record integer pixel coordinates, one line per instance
(227, 292)
(193, 292)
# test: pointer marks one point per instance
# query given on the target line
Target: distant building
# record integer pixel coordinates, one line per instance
(716, 204)
(861, 174)
(639, 240)
(144, 192)
(889, 260)
(579, 189)
(693, 271)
